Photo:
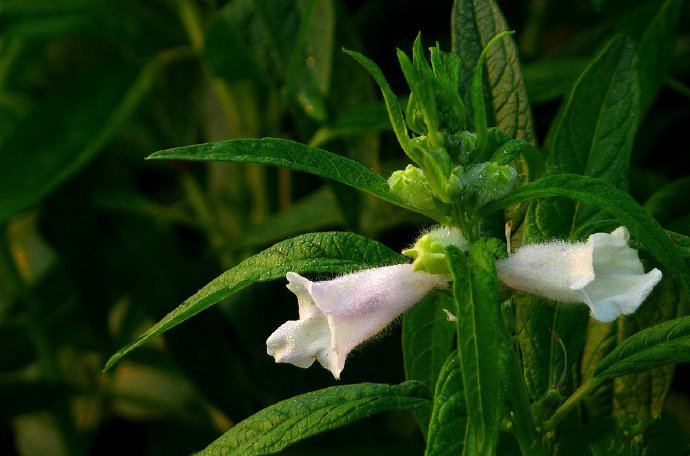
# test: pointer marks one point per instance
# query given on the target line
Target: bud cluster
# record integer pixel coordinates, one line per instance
(459, 162)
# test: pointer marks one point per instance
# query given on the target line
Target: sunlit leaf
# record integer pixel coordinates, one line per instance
(333, 252)
(294, 419)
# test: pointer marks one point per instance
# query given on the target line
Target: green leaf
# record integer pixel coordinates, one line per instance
(420, 78)
(474, 24)
(427, 339)
(594, 131)
(333, 252)
(293, 155)
(643, 394)
(449, 417)
(595, 128)
(475, 289)
(600, 340)
(392, 104)
(670, 201)
(543, 357)
(480, 124)
(665, 343)
(45, 149)
(654, 26)
(294, 419)
(617, 203)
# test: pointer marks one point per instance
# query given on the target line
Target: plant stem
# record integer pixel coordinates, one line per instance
(571, 402)
(192, 25)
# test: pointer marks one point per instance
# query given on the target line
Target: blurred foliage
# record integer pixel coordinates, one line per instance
(97, 243)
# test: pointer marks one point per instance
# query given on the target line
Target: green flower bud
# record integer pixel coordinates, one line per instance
(489, 181)
(414, 116)
(456, 183)
(429, 252)
(413, 188)
(468, 146)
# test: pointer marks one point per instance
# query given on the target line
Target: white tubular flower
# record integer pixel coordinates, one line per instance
(337, 315)
(603, 273)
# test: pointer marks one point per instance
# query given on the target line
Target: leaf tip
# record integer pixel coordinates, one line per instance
(110, 363)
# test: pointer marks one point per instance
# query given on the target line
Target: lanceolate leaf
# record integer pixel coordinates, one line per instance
(290, 154)
(294, 419)
(595, 128)
(475, 289)
(333, 252)
(594, 131)
(474, 23)
(392, 104)
(617, 203)
(665, 343)
(449, 417)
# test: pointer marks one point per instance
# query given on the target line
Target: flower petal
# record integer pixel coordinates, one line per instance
(339, 314)
(604, 273)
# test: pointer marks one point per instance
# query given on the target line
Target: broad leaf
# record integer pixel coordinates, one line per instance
(294, 419)
(474, 24)
(665, 343)
(449, 417)
(290, 154)
(427, 339)
(475, 289)
(617, 203)
(333, 252)
(595, 127)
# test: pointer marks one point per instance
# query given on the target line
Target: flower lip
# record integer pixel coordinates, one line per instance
(337, 315)
(604, 273)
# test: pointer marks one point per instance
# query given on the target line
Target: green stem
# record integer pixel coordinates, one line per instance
(192, 24)
(568, 405)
